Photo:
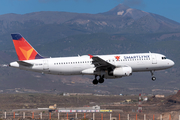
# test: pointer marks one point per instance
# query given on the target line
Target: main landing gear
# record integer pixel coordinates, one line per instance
(152, 74)
(100, 80)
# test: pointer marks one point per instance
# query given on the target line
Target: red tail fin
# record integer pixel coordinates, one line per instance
(23, 49)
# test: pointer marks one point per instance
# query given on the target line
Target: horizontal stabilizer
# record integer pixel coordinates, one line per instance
(24, 63)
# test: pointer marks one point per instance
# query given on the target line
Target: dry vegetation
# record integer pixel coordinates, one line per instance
(22, 101)
(33, 101)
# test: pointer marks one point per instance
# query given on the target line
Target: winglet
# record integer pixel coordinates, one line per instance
(90, 56)
(23, 49)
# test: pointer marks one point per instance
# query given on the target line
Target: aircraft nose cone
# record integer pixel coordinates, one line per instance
(171, 63)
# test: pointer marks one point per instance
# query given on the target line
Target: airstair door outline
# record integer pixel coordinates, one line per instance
(154, 60)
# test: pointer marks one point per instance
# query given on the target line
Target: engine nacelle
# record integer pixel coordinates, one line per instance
(121, 71)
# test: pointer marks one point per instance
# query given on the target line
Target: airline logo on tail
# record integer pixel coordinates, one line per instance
(23, 49)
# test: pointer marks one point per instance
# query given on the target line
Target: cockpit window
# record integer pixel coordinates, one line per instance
(163, 58)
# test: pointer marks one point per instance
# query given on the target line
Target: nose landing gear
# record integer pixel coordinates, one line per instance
(101, 79)
(152, 74)
(153, 78)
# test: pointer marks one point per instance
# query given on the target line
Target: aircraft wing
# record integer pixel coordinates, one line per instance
(101, 64)
(24, 63)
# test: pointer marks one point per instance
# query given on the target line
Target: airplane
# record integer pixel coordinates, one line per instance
(101, 66)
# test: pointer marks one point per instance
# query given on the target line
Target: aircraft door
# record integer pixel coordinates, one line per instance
(45, 65)
(154, 60)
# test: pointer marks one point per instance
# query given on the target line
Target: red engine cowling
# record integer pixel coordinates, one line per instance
(122, 71)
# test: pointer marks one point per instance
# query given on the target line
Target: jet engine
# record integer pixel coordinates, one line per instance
(121, 71)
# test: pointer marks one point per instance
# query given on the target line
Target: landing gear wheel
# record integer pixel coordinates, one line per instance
(101, 80)
(95, 81)
(153, 78)
(152, 74)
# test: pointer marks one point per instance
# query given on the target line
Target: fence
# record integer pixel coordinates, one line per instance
(86, 116)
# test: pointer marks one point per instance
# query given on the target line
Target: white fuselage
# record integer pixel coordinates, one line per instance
(83, 64)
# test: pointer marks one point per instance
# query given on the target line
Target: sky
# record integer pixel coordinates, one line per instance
(167, 8)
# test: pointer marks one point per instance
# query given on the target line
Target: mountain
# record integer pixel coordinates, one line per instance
(44, 27)
(119, 30)
(116, 20)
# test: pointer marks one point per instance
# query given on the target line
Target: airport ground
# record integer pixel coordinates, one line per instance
(119, 104)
